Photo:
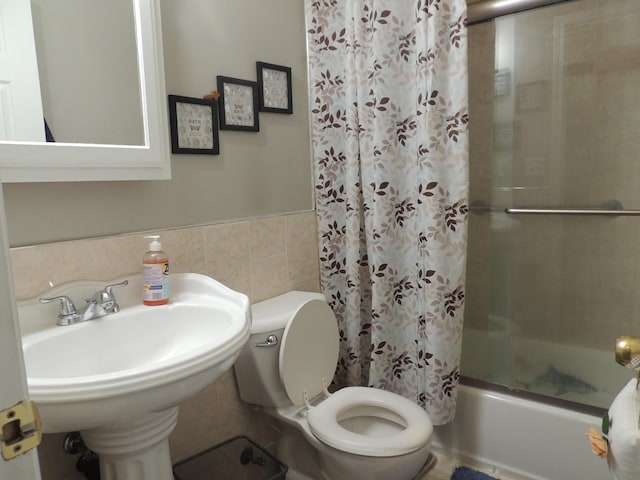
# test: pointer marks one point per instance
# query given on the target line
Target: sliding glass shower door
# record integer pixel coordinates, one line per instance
(554, 258)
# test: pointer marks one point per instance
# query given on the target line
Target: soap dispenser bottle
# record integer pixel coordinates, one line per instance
(155, 274)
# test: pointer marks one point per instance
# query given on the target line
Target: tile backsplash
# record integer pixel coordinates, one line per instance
(260, 258)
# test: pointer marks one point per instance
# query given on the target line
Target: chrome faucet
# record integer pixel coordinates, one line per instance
(102, 303)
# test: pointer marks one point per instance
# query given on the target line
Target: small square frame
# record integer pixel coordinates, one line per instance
(194, 126)
(274, 87)
(532, 97)
(238, 104)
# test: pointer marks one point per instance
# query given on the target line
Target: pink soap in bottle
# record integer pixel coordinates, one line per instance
(155, 272)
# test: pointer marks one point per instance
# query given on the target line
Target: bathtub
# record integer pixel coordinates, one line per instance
(520, 438)
(525, 438)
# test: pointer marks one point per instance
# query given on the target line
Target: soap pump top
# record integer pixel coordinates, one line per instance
(155, 273)
(154, 245)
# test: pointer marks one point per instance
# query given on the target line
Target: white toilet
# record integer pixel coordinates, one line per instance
(358, 432)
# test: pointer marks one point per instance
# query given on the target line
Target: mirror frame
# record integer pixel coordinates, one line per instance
(65, 162)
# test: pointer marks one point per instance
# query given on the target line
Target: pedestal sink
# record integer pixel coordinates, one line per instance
(119, 379)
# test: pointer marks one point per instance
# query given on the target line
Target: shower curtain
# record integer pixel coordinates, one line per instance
(388, 84)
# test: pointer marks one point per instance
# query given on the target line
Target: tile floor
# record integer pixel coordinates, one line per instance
(445, 467)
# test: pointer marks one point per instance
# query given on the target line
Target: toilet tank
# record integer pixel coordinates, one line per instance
(257, 368)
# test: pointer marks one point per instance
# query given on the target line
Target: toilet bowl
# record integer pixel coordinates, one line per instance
(357, 432)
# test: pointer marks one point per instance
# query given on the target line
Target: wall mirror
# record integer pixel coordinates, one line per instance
(82, 93)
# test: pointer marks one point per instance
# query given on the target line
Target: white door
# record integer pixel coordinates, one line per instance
(21, 116)
(13, 382)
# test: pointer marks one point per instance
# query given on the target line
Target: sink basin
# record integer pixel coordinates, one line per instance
(142, 360)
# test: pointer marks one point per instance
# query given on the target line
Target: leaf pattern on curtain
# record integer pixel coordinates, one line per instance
(390, 139)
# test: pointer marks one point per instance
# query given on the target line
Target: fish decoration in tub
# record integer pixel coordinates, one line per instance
(562, 382)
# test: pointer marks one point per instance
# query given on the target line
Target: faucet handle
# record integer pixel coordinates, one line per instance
(113, 285)
(67, 307)
(106, 298)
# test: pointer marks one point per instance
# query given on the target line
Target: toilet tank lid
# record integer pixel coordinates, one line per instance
(274, 313)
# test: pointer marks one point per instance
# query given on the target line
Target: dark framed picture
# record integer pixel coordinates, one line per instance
(238, 104)
(274, 87)
(194, 125)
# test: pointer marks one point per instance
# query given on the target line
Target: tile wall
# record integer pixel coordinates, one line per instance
(260, 258)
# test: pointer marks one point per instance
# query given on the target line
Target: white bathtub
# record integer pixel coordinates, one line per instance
(521, 439)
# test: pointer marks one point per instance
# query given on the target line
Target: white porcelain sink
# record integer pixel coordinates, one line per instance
(113, 371)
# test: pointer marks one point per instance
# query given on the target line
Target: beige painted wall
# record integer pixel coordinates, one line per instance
(256, 174)
(264, 174)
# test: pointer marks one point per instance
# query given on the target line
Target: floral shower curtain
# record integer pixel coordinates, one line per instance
(389, 125)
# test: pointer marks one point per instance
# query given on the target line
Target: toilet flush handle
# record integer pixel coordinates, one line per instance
(272, 341)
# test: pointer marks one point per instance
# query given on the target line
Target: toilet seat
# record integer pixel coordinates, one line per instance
(307, 362)
(309, 351)
(324, 423)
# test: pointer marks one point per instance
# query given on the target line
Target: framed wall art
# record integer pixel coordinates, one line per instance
(532, 97)
(238, 104)
(194, 125)
(502, 82)
(274, 88)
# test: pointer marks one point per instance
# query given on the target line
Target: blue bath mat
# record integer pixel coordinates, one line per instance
(465, 473)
